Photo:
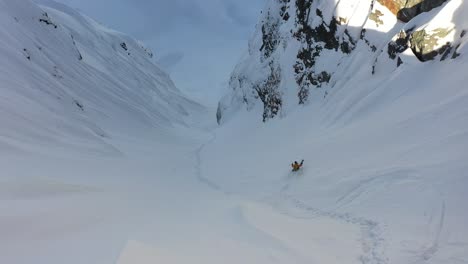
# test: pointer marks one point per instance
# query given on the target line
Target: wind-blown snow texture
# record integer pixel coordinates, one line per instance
(104, 161)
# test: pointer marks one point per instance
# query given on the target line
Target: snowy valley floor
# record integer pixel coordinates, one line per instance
(385, 182)
(152, 205)
(96, 168)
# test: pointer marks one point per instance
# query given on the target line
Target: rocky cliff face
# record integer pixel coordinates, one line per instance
(406, 10)
(303, 48)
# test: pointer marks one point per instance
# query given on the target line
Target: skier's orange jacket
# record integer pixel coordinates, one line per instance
(296, 166)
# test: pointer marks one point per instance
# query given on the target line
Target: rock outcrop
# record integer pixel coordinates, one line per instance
(408, 9)
(303, 48)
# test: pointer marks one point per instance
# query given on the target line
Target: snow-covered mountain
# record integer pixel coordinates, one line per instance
(68, 81)
(103, 160)
(373, 96)
(305, 50)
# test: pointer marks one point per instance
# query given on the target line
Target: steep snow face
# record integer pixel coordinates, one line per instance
(384, 136)
(68, 81)
(384, 151)
(388, 157)
(303, 50)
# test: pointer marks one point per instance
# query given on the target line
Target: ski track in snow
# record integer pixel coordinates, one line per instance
(372, 238)
(429, 251)
(198, 168)
(108, 95)
(383, 179)
(373, 242)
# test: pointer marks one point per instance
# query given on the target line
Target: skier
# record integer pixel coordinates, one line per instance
(296, 166)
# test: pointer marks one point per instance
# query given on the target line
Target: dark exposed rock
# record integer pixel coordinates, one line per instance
(348, 43)
(455, 50)
(27, 54)
(363, 37)
(269, 94)
(80, 57)
(79, 105)
(124, 46)
(268, 90)
(399, 62)
(345, 48)
(463, 33)
(219, 113)
(363, 33)
(323, 36)
(399, 45)
(423, 44)
(447, 52)
(416, 7)
(284, 9)
(455, 53)
(405, 10)
(270, 28)
(45, 19)
(318, 34)
(270, 39)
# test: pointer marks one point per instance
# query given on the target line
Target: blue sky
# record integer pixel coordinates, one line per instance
(197, 41)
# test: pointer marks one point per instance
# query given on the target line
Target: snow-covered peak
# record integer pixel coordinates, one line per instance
(303, 50)
(68, 81)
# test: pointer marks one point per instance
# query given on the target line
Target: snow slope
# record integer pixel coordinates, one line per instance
(392, 164)
(384, 151)
(69, 82)
(104, 161)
